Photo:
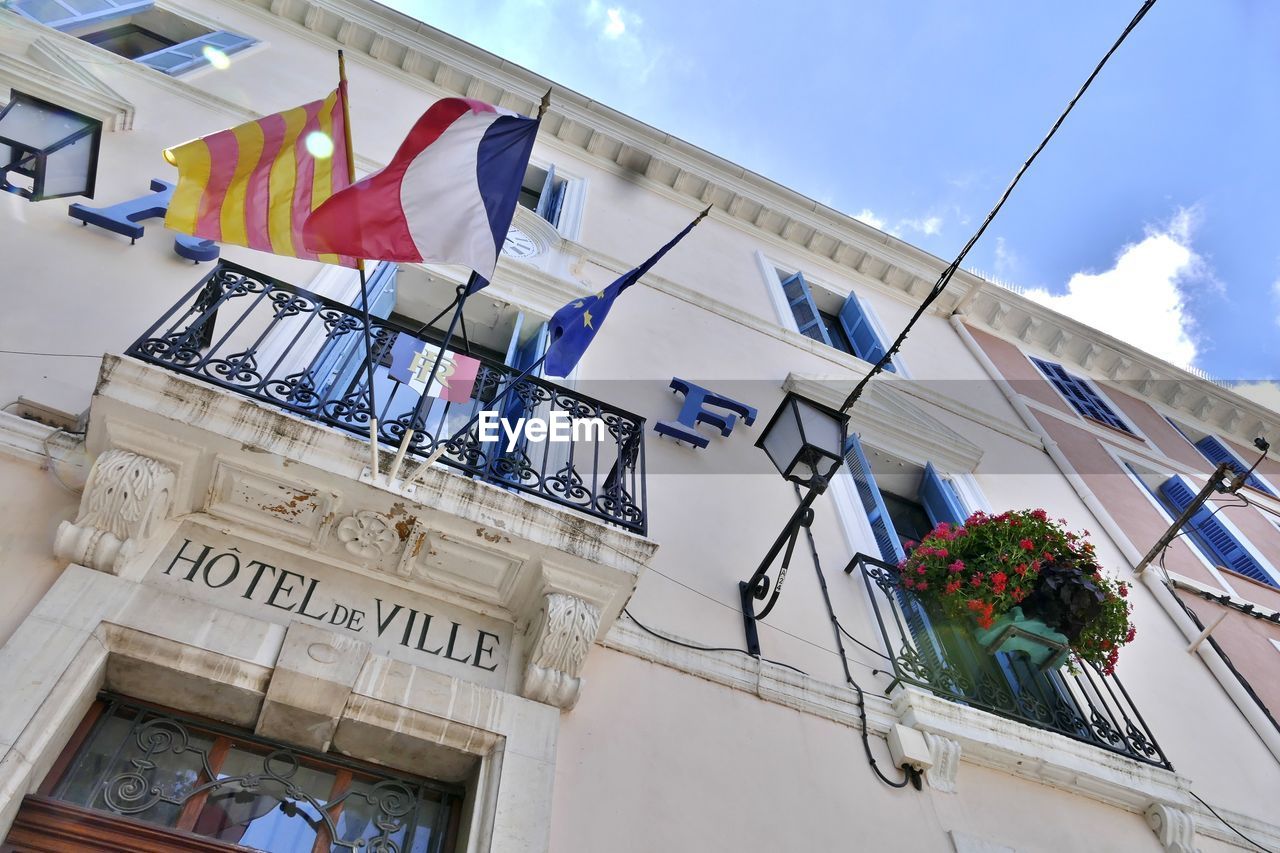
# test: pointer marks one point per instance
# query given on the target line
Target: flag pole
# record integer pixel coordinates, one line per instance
(411, 427)
(364, 280)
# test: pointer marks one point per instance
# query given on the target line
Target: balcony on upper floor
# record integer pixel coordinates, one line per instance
(930, 652)
(302, 352)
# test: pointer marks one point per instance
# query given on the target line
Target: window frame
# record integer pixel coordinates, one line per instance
(1131, 431)
(569, 223)
(770, 271)
(1124, 460)
(1268, 489)
(344, 769)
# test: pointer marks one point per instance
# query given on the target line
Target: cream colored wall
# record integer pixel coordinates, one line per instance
(651, 758)
(748, 775)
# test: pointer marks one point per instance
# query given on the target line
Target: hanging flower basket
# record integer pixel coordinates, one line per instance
(1027, 584)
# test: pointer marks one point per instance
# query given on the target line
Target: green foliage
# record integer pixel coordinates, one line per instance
(980, 570)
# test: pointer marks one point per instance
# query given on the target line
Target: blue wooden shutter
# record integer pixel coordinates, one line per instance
(861, 334)
(71, 14)
(891, 550)
(939, 499)
(804, 309)
(551, 199)
(1217, 452)
(1228, 552)
(1081, 396)
(183, 57)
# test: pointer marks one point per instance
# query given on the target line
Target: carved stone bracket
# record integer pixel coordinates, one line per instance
(125, 499)
(565, 632)
(1175, 828)
(946, 762)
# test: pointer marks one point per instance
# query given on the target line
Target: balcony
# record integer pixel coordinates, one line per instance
(944, 659)
(299, 351)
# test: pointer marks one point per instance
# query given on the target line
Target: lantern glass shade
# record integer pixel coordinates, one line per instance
(53, 148)
(805, 441)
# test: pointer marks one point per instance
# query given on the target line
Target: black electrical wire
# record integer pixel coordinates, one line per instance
(945, 278)
(874, 651)
(910, 775)
(696, 647)
(1228, 825)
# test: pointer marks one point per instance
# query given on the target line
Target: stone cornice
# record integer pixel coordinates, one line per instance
(1024, 322)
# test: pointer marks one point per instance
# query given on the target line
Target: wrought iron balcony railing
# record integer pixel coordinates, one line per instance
(280, 344)
(944, 658)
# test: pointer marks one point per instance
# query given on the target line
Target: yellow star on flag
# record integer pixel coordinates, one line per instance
(586, 319)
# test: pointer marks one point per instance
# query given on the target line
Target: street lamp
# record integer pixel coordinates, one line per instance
(55, 148)
(805, 442)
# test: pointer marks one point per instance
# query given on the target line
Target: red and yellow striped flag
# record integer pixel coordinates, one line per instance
(255, 184)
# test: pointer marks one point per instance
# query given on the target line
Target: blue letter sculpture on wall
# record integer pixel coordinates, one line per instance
(694, 412)
(123, 218)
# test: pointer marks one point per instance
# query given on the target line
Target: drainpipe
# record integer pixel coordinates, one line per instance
(1252, 712)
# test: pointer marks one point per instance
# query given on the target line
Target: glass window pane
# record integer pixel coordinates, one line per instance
(389, 802)
(157, 755)
(256, 810)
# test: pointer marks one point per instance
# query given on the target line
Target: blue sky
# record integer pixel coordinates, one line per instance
(1151, 215)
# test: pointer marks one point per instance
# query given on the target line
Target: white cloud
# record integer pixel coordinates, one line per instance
(869, 218)
(1007, 262)
(1141, 299)
(929, 225)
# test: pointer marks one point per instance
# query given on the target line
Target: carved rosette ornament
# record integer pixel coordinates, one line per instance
(559, 650)
(1174, 828)
(368, 535)
(125, 498)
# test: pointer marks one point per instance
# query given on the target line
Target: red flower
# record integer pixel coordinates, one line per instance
(1133, 632)
(1020, 570)
(953, 586)
(1027, 545)
(1040, 515)
(957, 566)
(922, 585)
(973, 604)
(976, 580)
(940, 552)
(920, 570)
(998, 581)
(1124, 590)
(908, 583)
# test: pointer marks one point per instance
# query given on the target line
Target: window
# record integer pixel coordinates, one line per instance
(1211, 534)
(1082, 396)
(130, 763)
(1217, 452)
(543, 192)
(908, 507)
(136, 30)
(850, 329)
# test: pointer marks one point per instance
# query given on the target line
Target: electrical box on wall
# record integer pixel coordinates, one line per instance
(908, 748)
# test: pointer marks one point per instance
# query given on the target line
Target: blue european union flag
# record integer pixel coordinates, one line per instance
(574, 326)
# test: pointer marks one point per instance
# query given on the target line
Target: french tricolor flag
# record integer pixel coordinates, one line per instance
(447, 196)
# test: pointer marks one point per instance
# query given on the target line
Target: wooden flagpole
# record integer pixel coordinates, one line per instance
(364, 281)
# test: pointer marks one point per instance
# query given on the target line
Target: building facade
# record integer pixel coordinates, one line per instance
(223, 628)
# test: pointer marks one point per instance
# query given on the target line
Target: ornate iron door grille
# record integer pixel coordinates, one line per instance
(1084, 705)
(279, 344)
(134, 761)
